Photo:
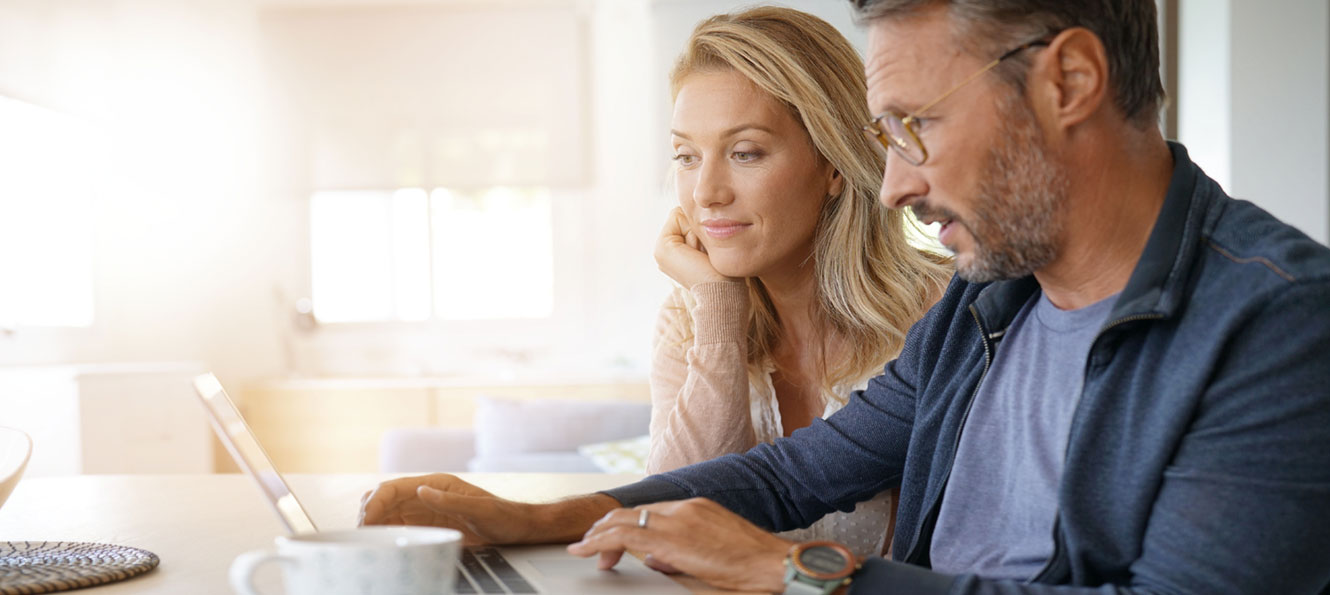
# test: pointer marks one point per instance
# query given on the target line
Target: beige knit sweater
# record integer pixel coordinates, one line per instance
(704, 405)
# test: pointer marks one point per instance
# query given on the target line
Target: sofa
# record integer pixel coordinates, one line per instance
(523, 435)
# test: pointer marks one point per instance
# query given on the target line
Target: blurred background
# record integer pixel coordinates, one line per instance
(374, 215)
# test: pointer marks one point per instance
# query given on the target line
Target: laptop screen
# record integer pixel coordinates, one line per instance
(244, 448)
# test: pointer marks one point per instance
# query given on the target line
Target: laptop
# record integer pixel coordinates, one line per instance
(548, 569)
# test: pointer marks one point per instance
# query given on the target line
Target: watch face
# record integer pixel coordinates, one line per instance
(825, 561)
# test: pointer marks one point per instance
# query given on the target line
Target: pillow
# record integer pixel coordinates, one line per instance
(512, 426)
(533, 462)
(425, 450)
(619, 456)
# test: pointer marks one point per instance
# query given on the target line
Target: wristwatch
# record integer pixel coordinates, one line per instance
(818, 568)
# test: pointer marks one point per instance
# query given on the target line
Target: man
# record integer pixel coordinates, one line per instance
(1128, 386)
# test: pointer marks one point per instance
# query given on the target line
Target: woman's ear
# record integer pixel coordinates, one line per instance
(837, 183)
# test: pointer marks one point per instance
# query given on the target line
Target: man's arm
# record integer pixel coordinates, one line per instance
(1244, 506)
(443, 500)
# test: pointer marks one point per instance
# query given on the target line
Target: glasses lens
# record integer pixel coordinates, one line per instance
(877, 139)
(902, 139)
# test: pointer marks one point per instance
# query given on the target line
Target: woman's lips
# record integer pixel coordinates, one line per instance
(723, 228)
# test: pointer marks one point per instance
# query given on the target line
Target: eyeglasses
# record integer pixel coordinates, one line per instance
(898, 132)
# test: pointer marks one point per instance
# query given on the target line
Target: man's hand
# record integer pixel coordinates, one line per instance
(680, 254)
(442, 500)
(697, 537)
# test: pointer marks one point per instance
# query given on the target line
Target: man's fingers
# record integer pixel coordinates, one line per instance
(619, 537)
(360, 513)
(609, 559)
(443, 501)
(657, 565)
(428, 494)
(376, 504)
(632, 517)
(464, 513)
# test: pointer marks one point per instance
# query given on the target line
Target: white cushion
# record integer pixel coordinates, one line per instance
(618, 456)
(510, 426)
(425, 450)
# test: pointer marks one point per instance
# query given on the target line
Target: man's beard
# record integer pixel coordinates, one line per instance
(1018, 216)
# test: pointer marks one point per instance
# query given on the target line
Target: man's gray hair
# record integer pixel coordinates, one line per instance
(1127, 28)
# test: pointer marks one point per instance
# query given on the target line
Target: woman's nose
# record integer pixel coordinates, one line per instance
(713, 185)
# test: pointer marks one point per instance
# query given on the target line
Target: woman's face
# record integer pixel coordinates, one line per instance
(748, 176)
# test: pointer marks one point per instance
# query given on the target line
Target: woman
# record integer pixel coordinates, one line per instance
(796, 287)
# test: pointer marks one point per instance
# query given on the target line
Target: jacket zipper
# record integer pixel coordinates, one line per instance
(988, 361)
(1055, 559)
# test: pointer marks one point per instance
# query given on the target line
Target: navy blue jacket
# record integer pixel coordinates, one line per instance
(1199, 454)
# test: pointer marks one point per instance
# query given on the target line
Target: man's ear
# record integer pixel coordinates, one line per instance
(1068, 82)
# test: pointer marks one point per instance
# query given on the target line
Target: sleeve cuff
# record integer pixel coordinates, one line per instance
(721, 313)
(647, 491)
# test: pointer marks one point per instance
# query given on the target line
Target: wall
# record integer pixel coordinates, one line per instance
(202, 250)
(185, 238)
(1254, 103)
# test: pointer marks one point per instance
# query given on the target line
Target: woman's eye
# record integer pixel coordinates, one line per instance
(918, 123)
(745, 156)
(685, 160)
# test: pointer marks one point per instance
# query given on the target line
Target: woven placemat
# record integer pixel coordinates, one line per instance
(30, 567)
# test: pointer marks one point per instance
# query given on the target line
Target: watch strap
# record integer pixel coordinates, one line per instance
(799, 587)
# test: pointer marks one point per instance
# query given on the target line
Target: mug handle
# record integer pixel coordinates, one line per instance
(242, 569)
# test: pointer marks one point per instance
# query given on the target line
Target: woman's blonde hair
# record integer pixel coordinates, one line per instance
(872, 285)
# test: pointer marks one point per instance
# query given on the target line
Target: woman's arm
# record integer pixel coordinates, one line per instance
(699, 387)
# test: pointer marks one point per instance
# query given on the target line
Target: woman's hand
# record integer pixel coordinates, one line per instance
(680, 254)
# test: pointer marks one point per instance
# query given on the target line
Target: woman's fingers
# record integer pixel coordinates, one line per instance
(675, 226)
(691, 240)
(681, 254)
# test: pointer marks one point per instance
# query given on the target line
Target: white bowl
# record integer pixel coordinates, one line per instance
(15, 447)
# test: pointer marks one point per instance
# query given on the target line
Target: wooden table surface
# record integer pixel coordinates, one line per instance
(197, 524)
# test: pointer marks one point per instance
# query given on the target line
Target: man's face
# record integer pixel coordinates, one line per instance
(989, 178)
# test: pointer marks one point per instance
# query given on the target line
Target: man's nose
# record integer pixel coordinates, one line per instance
(902, 184)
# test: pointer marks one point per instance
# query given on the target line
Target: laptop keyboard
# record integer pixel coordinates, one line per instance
(484, 570)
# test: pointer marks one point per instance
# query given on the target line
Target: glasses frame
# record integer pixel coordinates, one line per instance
(878, 130)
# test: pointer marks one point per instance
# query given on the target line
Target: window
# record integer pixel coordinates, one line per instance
(411, 255)
(47, 180)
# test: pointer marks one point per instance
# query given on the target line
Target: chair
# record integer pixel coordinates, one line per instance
(15, 448)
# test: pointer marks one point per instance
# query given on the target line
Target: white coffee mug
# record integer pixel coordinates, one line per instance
(398, 560)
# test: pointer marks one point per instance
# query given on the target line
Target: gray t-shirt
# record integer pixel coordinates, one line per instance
(997, 514)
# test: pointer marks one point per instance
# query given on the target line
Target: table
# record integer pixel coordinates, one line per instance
(197, 524)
